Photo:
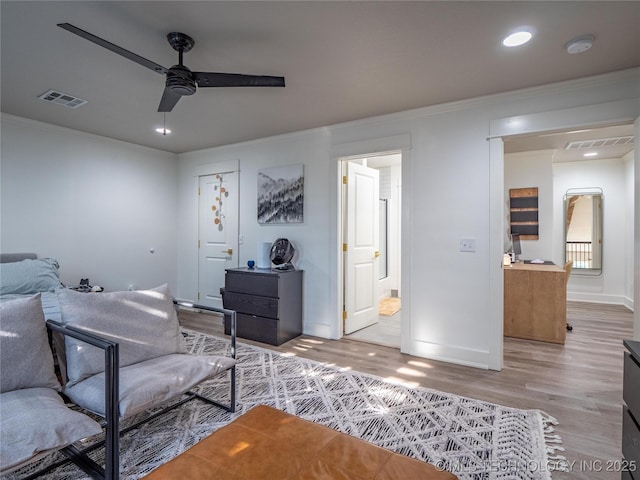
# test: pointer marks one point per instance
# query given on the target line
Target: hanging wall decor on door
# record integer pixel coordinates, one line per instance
(523, 212)
(216, 208)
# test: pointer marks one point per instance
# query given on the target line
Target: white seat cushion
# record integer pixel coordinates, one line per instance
(34, 421)
(145, 384)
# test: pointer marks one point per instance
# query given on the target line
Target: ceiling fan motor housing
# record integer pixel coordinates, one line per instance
(180, 80)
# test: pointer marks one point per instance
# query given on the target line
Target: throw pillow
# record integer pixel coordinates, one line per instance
(143, 322)
(35, 421)
(25, 355)
(29, 276)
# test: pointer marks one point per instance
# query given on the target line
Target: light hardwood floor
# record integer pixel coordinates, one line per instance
(579, 383)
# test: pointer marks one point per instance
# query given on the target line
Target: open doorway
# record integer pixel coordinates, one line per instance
(371, 229)
(586, 175)
(571, 166)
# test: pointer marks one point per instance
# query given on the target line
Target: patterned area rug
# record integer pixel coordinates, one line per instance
(473, 439)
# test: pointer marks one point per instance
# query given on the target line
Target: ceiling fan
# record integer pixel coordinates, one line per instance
(180, 80)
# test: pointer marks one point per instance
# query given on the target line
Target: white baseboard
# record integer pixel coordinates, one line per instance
(451, 354)
(600, 298)
(319, 330)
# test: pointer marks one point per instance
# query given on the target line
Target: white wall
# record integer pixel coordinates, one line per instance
(99, 205)
(554, 179)
(533, 169)
(609, 175)
(95, 204)
(311, 238)
(446, 179)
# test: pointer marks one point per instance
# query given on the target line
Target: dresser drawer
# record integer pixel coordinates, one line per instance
(251, 304)
(631, 386)
(268, 303)
(265, 285)
(630, 438)
(260, 329)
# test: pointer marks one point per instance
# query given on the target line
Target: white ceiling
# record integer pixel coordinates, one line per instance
(342, 61)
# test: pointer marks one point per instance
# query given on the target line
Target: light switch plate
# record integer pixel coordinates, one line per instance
(467, 244)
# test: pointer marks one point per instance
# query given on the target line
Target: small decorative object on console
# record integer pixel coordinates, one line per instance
(282, 252)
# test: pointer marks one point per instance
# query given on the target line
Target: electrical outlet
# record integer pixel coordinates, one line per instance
(467, 244)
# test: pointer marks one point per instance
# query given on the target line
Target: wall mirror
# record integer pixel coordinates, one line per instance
(382, 242)
(583, 230)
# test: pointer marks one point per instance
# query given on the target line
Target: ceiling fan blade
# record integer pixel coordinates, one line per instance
(168, 101)
(210, 79)
(114, 48)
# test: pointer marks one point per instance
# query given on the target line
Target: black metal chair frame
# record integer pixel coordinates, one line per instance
(111, 423)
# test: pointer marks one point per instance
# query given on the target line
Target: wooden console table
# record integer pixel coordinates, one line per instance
(535, 302)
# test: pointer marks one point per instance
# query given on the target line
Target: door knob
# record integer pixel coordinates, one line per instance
(376, 254)
(228, 251)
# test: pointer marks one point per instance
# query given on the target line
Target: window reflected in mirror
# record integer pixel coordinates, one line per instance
(583, 230)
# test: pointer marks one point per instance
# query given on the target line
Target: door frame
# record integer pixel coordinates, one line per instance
(393, 144)
(227, 166)
(232, 243)
(578, 117)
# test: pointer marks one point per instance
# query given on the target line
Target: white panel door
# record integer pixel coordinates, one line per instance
(361, 258)
(217, 234)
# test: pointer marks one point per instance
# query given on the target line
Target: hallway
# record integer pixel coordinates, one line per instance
(385, 332)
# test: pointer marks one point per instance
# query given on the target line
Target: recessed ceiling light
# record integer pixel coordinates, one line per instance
(591, 154)
(517, 38)
(163, 131)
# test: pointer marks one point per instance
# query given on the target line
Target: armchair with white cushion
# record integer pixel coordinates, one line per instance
(153, 366)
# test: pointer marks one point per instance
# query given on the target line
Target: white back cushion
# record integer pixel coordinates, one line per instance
(143, 322)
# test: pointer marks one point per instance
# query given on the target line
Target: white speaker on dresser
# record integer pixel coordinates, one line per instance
(263, 259)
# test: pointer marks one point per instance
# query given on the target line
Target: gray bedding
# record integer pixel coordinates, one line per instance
(22, 275)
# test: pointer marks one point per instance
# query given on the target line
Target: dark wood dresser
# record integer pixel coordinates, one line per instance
(268, 303)
(631, 412)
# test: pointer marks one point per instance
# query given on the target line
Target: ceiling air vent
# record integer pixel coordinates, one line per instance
(600, 142)
(63, 99)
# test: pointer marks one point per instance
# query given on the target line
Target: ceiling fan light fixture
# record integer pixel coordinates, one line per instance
(517, 38)
(580, 44)
(163, 131)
